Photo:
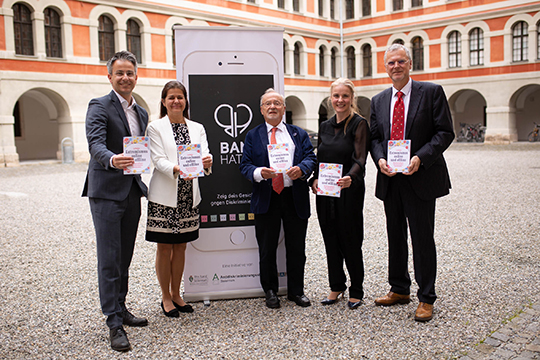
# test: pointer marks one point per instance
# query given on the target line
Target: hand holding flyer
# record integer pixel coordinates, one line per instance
(399, 155)
(329, 174)
(190, 161)
(279, 157)
(138, 147)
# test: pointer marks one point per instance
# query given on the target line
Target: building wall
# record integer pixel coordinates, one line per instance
(504, 86)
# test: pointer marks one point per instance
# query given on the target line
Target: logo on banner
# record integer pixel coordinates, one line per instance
(231, 126)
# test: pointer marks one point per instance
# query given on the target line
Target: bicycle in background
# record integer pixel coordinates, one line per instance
(534, 135)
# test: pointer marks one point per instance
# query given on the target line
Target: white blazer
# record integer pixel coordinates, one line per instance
(163, 186)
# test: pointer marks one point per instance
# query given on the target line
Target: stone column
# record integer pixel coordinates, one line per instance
(501, 125)
(8, 150)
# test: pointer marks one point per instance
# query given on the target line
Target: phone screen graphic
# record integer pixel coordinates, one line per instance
(229, 107)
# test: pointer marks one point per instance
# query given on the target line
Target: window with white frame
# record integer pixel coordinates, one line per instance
(53, 33)
(454, 49)
(351, 63)
(366, 59)
(476, 47)
(105, 38)
(418, 53)
(133, 39)
(23, 30)
(520, 41)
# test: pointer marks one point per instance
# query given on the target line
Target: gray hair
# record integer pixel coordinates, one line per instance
(271, 90)
(396, 47)
(122, 55)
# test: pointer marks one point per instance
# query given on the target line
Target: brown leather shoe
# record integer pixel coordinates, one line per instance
(392, 298)
(424, 312)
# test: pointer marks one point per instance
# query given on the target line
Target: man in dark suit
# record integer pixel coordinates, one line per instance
(115, 198)
(278, 198)
(420, 114)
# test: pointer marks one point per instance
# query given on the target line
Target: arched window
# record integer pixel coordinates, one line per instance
(399, 41)
(454, 49)
(105, 38)
(332, 9)
(349, 9)
(416, 3)
(296, 5)
(538, 42)
(321, 7)
(366, 59)
(23, 32)
(321, 61)
(133, 39)
(398, 4)
(418, 53)
(53, 33)
(476, 47)
(351, 63)
(520, 41)
(296, 58)
(366, 7)
(333, 62)
(281, 4)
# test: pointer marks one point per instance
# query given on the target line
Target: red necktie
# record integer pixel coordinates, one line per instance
(277, 182)
(398, 119)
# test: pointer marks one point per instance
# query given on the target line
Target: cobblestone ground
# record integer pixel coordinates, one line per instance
(488, 245)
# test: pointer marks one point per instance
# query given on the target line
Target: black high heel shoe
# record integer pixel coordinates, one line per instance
(332, 301)
(172, 314)
(183, 309)
(354, 305)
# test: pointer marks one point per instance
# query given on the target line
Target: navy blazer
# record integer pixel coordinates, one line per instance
(106, 126)
(255, 155)
(429, 127)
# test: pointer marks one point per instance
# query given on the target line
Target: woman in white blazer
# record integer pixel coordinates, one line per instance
(173, 213)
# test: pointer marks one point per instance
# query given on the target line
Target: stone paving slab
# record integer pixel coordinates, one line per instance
(518, 339)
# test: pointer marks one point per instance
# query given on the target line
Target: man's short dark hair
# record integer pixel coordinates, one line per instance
(122, 55)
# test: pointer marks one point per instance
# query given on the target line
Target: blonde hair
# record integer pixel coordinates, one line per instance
(348, 83)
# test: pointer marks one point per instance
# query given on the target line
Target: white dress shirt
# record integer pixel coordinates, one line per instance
(282, 137)
(131, 115)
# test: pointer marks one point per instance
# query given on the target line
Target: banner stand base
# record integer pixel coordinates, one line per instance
(227, 295)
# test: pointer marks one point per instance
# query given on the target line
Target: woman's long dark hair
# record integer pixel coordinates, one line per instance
(173, 84)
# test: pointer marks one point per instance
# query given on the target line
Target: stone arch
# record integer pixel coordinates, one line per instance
(526, 104)
(295, 111)
(468, 106)
(44, 120)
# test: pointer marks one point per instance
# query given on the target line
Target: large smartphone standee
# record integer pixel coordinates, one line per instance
(226, 70)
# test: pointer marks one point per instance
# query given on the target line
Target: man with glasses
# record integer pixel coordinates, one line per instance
(419, 112)
(278, 198)
(115, 198)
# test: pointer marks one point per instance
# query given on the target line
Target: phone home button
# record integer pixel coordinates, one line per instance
(238, 237)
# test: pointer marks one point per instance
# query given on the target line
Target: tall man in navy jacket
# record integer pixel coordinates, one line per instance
(115, 198)
(410, 197)
(288, 203)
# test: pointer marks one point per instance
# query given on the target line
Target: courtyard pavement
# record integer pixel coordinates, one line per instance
(488, 243)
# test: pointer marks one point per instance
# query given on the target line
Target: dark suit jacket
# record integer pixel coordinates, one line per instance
(429, 127)
(106, 126)
(255, 155)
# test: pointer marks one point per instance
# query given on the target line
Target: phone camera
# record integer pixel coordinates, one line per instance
(220, 63)
(236, 57)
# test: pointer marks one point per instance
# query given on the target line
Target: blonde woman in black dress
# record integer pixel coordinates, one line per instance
(344, 139)
(173, 213)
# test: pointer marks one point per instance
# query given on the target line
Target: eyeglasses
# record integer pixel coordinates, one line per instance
(275, 103)
(394, 63)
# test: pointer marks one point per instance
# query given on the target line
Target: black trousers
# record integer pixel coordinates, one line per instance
(402, 205)
(116, 225)
(267, 229)
(342, 226)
